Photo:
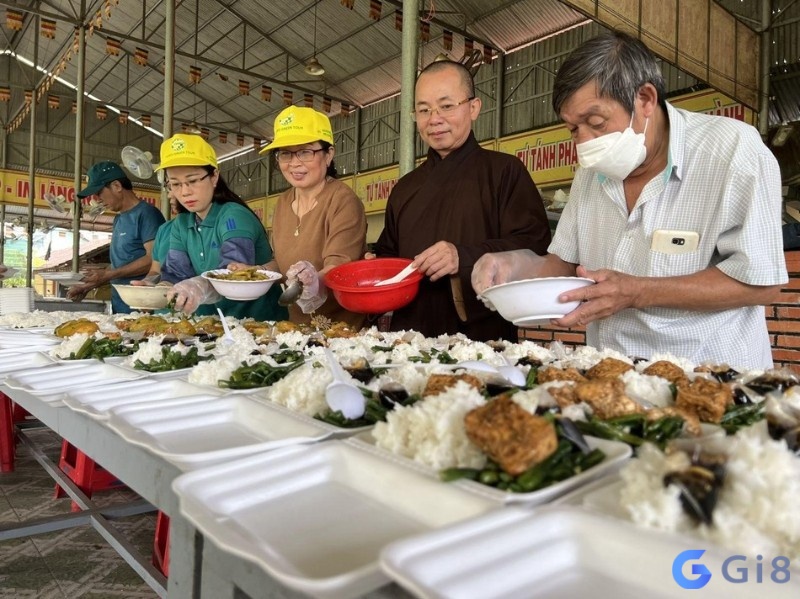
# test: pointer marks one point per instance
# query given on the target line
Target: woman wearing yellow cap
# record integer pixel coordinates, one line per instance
(214, 227)
(319, 222)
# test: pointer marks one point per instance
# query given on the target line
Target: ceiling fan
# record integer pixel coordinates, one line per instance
(56, 202)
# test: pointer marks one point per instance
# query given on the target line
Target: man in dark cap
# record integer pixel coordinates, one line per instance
(135, 227)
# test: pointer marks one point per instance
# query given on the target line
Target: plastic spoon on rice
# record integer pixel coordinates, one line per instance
(228, 338)
(511, 374)
(340, 395)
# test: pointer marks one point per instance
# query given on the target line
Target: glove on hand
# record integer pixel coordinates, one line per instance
(190, 293)
(314, 291)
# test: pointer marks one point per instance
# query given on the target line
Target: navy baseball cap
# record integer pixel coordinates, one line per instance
(100, 175)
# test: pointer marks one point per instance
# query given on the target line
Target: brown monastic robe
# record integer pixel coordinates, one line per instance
(479, 200)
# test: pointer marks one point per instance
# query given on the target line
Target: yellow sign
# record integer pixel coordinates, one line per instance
(15, 188)
(712, 102)
(549, 154)
(373, 188)
(269, 215)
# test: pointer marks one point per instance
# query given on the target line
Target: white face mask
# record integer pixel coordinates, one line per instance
(615, 154)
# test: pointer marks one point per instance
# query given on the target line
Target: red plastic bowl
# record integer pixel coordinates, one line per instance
(353, 285)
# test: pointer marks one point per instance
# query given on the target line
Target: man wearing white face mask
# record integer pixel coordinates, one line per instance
(675, 216)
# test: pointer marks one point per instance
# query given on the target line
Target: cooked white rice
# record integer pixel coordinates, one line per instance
(432, 432)
(71, 345)
(303, 389)
(583, 357)
(649, 391)
(757, 507)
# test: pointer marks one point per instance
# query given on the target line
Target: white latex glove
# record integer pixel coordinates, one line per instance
(502, 267)
(190, 293)
(314, 291)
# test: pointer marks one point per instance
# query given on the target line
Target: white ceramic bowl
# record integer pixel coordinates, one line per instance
(143, 297)
(241, 290)
(532, 302)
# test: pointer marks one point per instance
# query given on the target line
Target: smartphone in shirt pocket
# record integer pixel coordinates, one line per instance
(671, 241)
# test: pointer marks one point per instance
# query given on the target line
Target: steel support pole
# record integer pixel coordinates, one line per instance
(409, 74)
(32, 155)
(766, 51)
(80, 87)
(169, 84)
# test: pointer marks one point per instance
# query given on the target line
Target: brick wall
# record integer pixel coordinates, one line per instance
(783, 318)
(783, 323)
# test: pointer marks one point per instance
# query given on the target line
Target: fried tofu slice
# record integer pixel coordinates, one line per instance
(438, 383)
(564, 395)
(705, 398)
(667, 370)
(607, 398)
(608, 368)
(551, 373)
(509, 435)
(73, 327)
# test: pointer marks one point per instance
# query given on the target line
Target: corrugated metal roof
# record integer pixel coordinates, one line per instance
(267, 43)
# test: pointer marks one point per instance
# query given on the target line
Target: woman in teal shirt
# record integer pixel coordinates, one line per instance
(214, 227)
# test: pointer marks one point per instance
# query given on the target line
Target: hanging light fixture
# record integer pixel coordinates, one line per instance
(313, 67)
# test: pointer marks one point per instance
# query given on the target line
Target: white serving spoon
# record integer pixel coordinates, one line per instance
(510, 373)
(227, 339)
(398, 277)
(340, 395)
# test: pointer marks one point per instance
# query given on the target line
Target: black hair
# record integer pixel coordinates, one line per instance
(331, 172)
(222, 194)
(618, 63)
(124, 181)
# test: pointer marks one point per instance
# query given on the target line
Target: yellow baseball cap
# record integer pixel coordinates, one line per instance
(297, 125)
(186, 149)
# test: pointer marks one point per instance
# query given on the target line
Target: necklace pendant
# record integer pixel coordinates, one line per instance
(297, 231)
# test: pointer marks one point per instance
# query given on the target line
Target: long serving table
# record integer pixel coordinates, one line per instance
(198, 569)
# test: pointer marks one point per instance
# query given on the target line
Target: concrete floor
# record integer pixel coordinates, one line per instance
(70, 563)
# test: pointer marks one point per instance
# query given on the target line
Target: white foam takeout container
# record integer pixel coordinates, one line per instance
(12, 361)
(616, 455)
(198, 431)
(316, 517)
(558, 552)
(98, 401)
(54, 381)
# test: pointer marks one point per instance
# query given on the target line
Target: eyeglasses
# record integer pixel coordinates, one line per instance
(423, 113)
(189, 183)
(307, 155)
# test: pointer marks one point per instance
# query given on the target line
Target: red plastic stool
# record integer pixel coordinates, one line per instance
(7, 436)
(87, 474)
(161, 544)
(10, 413)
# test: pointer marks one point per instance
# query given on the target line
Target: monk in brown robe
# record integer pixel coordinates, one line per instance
(459, 204)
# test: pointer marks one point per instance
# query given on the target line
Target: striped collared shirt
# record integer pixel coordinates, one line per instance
(722, 183)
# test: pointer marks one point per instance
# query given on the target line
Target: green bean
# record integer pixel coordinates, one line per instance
(451, 474)
(530, 378)
(626, 420)
(532, 477)
(84, 349)
(489, 477)
(591, 459)
(599, 428)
